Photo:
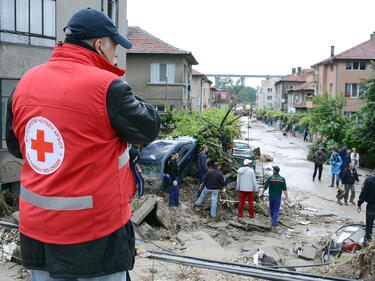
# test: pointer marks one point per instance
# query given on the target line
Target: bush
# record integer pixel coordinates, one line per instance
(327, 145)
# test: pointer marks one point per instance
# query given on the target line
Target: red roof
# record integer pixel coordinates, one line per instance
(364, 51)
(196, 72)
(297, 77)
(146, 43)
(308, 86)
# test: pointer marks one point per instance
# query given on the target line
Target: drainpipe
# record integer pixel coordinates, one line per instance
(337, 68)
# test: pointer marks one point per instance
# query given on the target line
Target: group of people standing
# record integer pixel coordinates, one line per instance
(213, 180)
(344, 165)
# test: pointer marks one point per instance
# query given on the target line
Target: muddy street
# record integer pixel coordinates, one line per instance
(310, 219)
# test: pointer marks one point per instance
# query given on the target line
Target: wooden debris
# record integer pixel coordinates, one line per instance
(141, 213)
(250, 226)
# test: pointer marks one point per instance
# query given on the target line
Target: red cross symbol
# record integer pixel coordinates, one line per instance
(41, 146)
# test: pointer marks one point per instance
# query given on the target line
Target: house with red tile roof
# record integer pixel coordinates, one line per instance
(341, 73)
(284, 85)
(159, 72)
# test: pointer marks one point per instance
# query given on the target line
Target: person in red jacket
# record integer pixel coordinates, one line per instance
(71, 120)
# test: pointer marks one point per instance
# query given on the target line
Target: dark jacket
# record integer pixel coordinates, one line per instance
(342, 154)
(173, 169)
(133, 154)
(135, 121)
(368, 194)
(349, 176)
(202, 162)
(346, 161)
(214, 179)
(319, 158)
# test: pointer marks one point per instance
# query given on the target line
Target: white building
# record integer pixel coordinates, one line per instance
(266, 95)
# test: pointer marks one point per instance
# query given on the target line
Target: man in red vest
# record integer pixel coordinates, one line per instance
(71, 120)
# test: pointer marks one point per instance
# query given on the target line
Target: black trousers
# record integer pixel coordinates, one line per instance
(320, 171)
(370, 217)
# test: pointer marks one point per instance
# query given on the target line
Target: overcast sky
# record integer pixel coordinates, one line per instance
(256, 36)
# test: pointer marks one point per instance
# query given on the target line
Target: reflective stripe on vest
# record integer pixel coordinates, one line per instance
(124, 158)
(56, 203)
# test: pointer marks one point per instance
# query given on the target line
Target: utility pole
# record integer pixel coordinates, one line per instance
(166, 91)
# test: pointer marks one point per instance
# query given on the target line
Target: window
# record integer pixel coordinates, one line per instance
(6, 88)
(28, 22)
(160, 72)
(356, 65)
(269, 97)
(113, 8)
(269, 90)
(352, 90)
(223, 96)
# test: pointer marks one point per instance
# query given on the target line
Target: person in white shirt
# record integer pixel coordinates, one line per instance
(355, 158)
(246, 184)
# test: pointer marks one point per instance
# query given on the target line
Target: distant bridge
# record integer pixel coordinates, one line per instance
(243, 76)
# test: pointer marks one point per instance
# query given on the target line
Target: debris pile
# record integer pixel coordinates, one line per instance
(360, 266)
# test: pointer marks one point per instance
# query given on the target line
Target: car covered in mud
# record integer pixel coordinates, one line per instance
(241, 151)
(154, 157)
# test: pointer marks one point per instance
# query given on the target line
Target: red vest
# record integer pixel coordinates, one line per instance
(76, 184)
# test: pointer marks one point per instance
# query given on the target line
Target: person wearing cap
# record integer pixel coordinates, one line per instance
(174, 172)
(212, 183)
(276, 185)
(246, 184)
(319, 158)
(71, 120)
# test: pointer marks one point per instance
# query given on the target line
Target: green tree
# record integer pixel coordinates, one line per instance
(327, 119)
(361, 132)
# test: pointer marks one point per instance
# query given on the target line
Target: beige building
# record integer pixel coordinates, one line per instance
(297, 78)
(266, 97)
(29, 31)
(159, 72)
(341, 73)
(200, 91)
(300, 96)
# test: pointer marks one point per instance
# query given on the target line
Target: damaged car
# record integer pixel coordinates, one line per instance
(154, 157)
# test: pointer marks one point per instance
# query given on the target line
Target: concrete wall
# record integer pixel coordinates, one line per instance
(16, 59)
(138, 75)
(197, 92)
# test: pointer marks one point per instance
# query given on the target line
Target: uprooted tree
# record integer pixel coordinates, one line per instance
(213, 128)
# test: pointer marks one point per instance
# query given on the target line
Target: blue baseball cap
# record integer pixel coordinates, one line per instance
(90, 23)
(276, 168)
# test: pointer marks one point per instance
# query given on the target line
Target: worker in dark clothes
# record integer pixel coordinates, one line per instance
(213, 181)
(368, 195)
(137, 171)
(202, 163)
(342, 152)
(349, 177)
(174, 173)
(277, 184)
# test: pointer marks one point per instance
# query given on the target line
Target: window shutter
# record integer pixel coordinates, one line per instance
(171, 72)
(154, 72)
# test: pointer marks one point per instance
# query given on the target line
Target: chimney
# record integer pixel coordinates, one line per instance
(299, 70)
(293, 71)
(372, 36)
(332, 51)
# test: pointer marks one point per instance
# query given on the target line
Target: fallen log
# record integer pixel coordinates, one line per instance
(250, 226)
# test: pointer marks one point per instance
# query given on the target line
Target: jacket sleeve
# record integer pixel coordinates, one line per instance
(11, 139)
(363, 196)
(135, 120)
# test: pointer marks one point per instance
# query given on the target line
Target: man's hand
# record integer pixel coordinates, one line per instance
(359, 209)
(139, 170)
(288, 199)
